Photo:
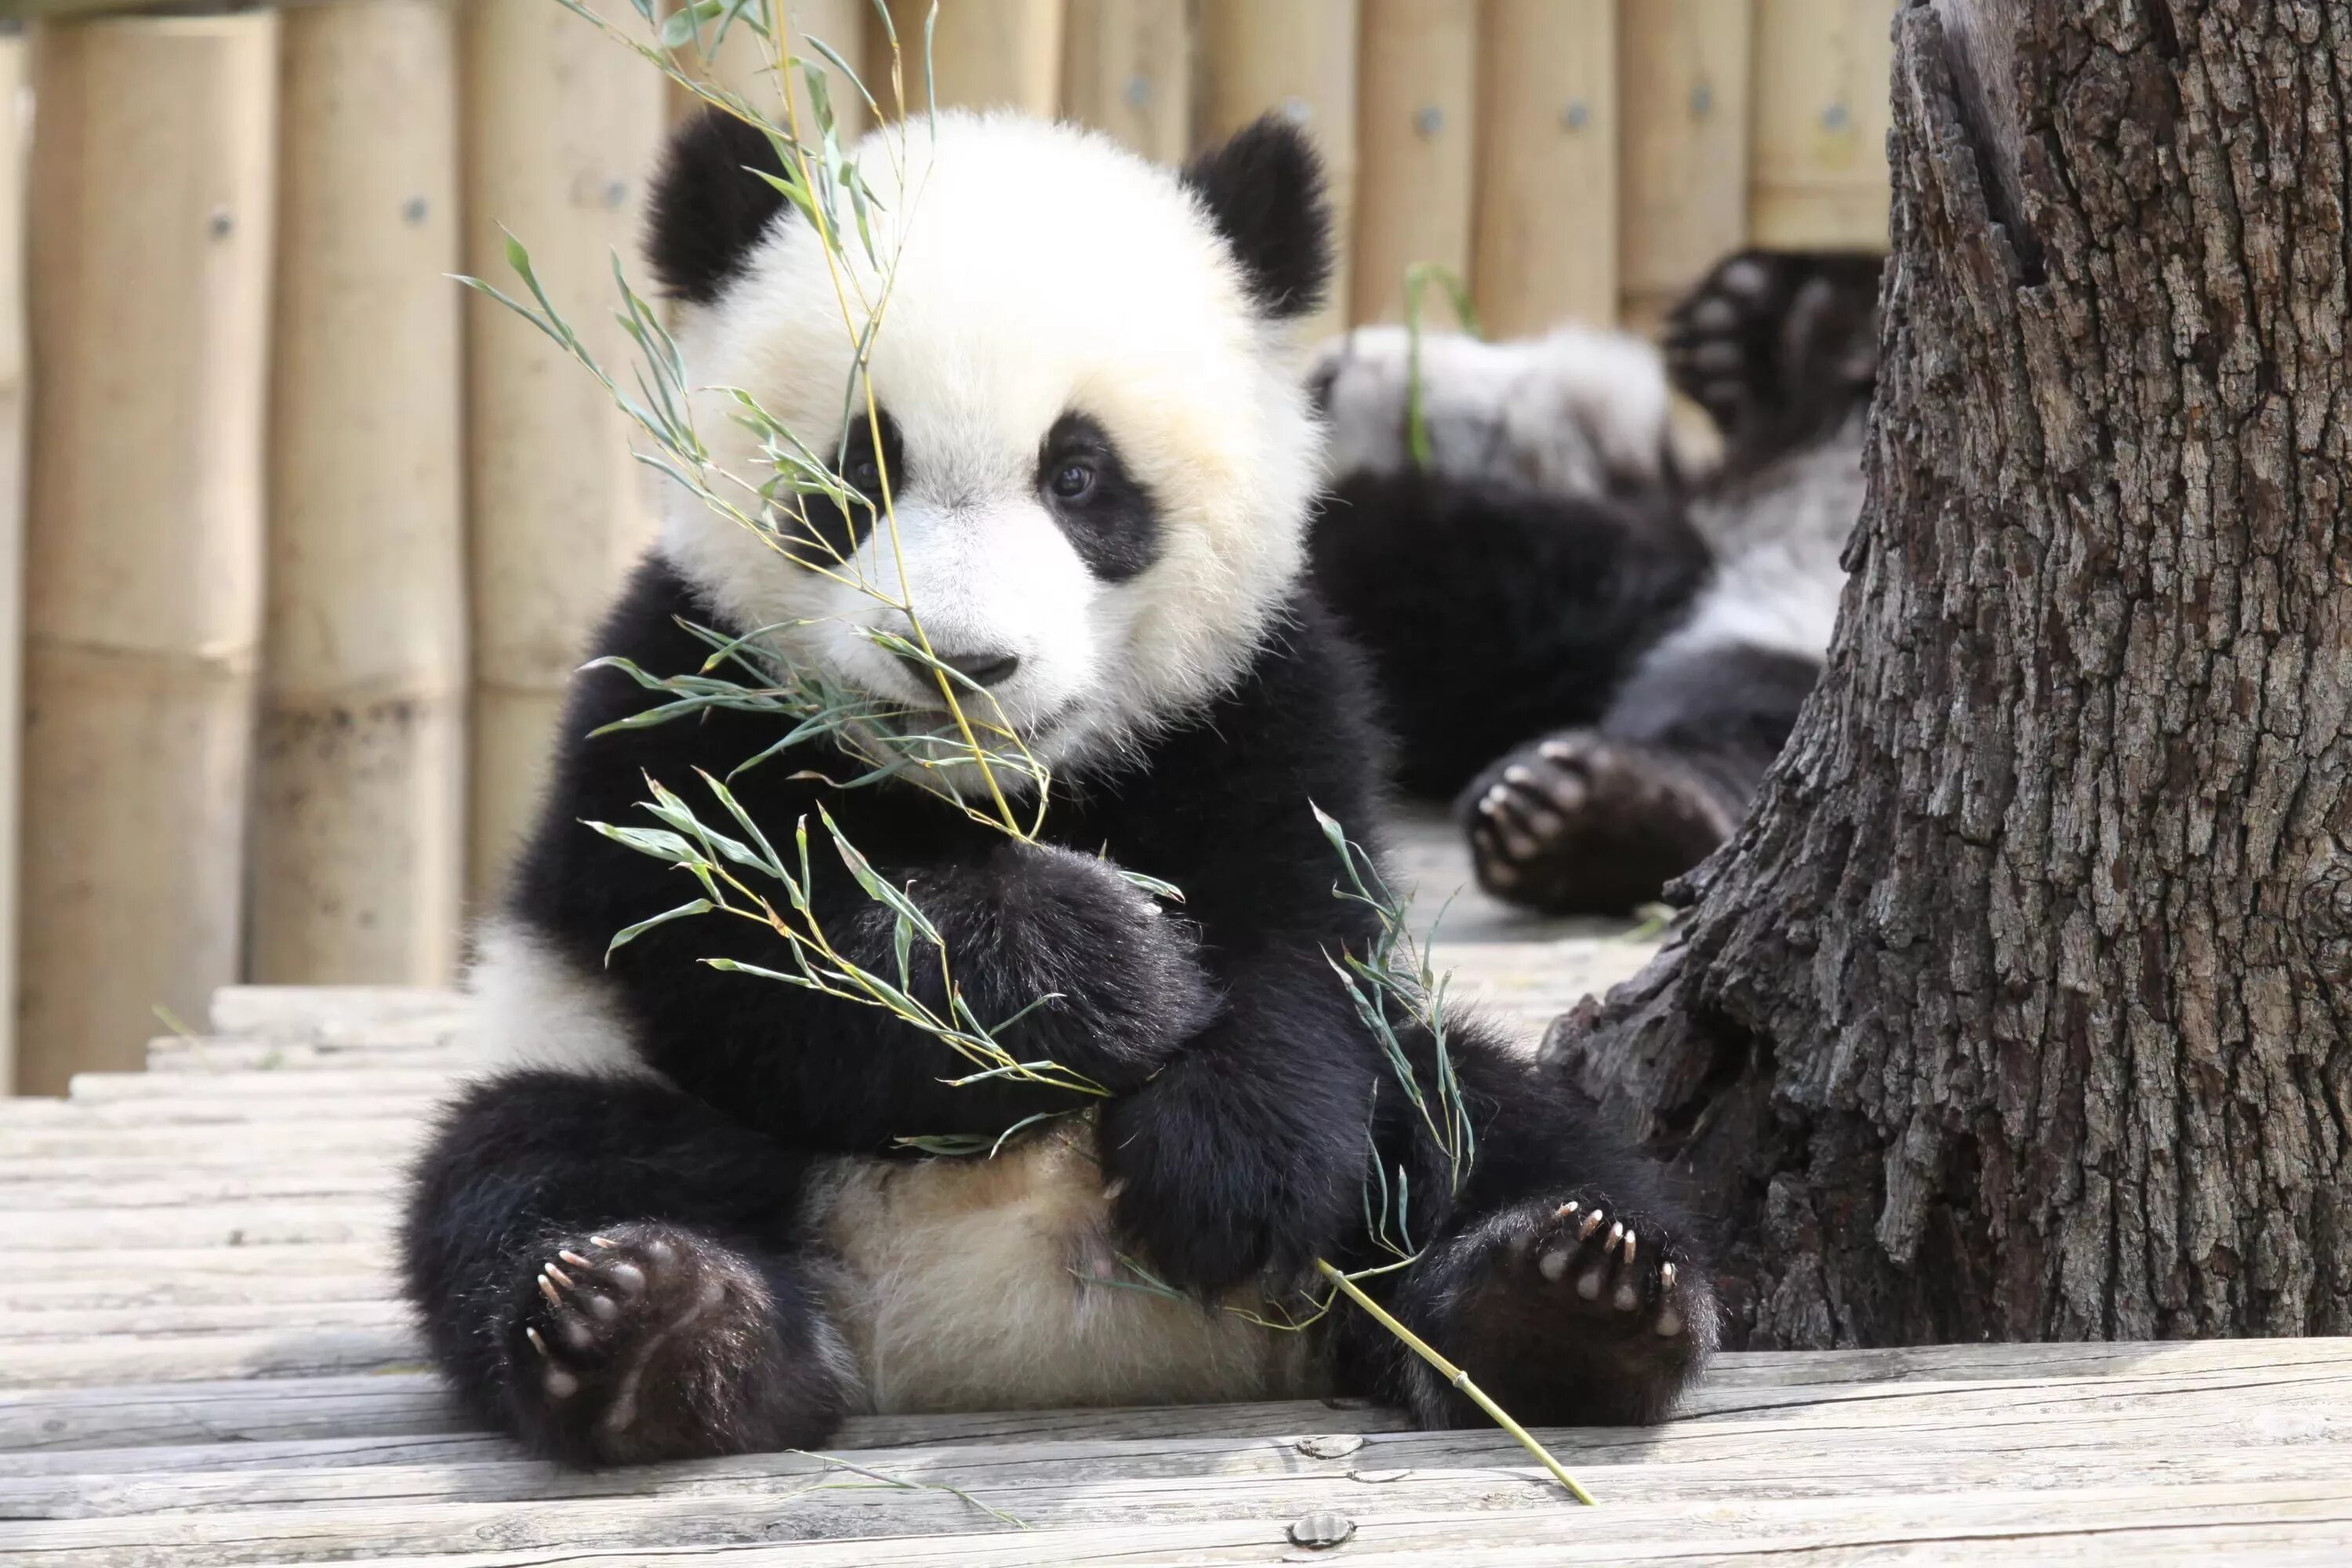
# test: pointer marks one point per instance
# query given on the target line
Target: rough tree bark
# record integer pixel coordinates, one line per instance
(2018, 1009)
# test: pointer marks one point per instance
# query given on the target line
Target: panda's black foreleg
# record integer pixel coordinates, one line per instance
(605, 1268)
(1597, 820)
(1560, 1276)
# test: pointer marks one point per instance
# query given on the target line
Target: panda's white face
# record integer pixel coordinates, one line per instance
(1099, 454)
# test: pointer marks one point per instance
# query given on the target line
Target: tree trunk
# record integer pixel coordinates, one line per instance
(2018, 1008)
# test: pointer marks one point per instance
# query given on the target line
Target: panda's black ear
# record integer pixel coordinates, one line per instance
(708, 208)
(1263, 190)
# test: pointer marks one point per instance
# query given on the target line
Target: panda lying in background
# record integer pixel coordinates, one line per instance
(687, 1229)
(1599, 658)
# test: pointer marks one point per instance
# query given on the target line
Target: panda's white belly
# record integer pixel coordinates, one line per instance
(992, 1284)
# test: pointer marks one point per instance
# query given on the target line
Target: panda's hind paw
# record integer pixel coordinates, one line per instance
(646, 1342)
(1581, 824)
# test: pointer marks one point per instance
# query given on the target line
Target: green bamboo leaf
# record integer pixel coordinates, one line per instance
(630, 933)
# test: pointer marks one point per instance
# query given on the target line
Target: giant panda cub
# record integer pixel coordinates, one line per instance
(681, 1224)
(1594, 639)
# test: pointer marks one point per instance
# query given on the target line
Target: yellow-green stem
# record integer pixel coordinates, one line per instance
(1460, 1379)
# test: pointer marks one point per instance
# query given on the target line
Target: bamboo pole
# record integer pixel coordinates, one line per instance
(1820, 179)
(13, 126)
(1126, 68)
(985, 54)
(1415, 134)
(744, 62)
(359, 797)
(561, 125)
(1546, 237)
(1300, 59)
(1684, 85)
(150, 286)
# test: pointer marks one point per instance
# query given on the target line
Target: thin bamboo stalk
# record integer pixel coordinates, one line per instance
(1818, 178)
(1414, 126)
(985, 54)
(359, 827)
(1126, 68)
(744, 62)
(13, 133)
(1545, 246)
(560, 126)
(150, 286)
(1298, 58)
(1683, 83)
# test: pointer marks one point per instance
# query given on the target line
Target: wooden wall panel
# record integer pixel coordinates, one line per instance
(1126, 68)
(1683, 89)
(561, 126)
(1818, 175)
(1415, 131)
(359, 797)
(150, 238)
(1545, 249)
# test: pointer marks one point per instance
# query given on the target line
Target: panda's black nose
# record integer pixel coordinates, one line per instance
(983, 668)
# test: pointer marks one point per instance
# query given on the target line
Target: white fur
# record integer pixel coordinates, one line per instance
(1778, 541)
(1039, 270)
(531, 1006)
(1564, 414)
(995, 1284)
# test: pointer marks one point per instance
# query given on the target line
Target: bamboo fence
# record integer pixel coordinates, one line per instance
(308, 540)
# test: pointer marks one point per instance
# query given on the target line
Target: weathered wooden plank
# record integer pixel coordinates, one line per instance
(154, 1186)
(1510, 1508)
(217, 1053)
(1210, 1475)
(369, 1307)
(2284, 1378)
(297, 1350)
(371, 1084)
(443, 1448)
(2274, 1523)
(200, 1108)
(84, 1136)
(274, 1223)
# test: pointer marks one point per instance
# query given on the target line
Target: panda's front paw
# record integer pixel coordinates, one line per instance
(1217, 1189)
(1569, 1310)
(646, 1342)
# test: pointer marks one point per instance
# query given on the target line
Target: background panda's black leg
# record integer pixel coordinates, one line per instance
(1564, 1282)
(603, 1268)
(1596, 821)
(1492, 614)
(1777, 346)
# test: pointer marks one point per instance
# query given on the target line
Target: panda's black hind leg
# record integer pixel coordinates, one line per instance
(603, 1268)
(1776, 345)
(1562, 1277)
(1578, 823)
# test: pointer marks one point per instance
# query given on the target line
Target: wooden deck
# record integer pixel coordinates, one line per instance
(201, 1363)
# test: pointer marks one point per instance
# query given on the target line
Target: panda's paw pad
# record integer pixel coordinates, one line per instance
(1618, 1270)
(617, 1321)
(1769, 327)
(1579, 823)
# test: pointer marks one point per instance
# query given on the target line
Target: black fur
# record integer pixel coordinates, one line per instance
(1512, 631)
(707, 209)
(1491, 613)
(1113, 524)
(1263, 189)
(1245, 1082)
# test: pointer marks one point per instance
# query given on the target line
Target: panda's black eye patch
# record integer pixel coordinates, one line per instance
(1104, 510)
(834, 530)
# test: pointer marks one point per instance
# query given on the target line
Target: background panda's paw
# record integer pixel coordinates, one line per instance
(1581, 824)
(1777, 344)
(646, 1342)
(1584, 1312)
